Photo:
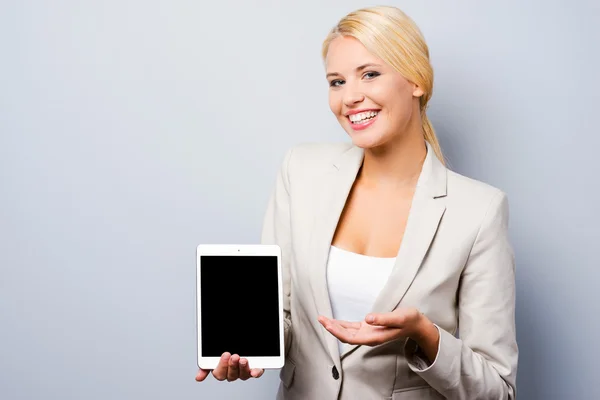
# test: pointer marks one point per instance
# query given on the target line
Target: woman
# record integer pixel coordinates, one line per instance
(385, 250)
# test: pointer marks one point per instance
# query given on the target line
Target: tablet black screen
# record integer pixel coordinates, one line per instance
(239, 306)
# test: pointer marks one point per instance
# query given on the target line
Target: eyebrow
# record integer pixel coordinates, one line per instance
(358, 69)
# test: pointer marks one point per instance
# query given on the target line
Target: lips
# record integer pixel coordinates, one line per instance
(364, 122)
(362, 116)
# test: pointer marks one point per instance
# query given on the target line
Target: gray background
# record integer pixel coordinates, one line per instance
(131, 131)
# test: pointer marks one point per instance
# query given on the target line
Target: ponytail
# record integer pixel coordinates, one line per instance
(430, 136)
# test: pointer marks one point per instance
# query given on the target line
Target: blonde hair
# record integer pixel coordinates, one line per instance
(391, 35)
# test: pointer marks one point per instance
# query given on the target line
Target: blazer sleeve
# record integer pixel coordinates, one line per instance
(277, 230)
(482, 362)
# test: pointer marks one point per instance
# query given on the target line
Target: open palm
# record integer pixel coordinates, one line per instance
(360, 332)
(381, 328)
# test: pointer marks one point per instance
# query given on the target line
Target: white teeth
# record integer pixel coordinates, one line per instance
(360, 117)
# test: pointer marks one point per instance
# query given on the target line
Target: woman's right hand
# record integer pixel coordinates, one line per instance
(231, 367)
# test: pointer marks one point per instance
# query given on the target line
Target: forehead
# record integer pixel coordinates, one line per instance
(345, 53)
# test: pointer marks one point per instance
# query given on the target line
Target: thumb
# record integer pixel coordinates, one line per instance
(257, 372)
(391, 320)
(202, 374)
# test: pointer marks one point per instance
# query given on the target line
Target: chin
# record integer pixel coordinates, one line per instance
(369, 138)
(366, 140)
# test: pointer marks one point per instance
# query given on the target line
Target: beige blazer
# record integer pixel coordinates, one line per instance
(455, 265)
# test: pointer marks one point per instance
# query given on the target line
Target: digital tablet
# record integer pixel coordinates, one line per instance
(239, 304)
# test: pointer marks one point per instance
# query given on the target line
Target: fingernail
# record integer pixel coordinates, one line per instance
(243, 363)
(370, 318)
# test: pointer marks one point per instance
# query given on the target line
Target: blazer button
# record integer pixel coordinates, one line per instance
(335, 373)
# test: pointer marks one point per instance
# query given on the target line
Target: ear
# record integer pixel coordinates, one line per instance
(417, 91)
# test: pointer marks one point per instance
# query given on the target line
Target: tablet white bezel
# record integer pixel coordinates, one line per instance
(240, 250)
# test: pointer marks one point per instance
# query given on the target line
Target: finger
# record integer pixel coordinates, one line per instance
(244, 369)
(343, 334)
(367, 335)
(323, 320)
(202, 374)
(257, 372)
(344, 324)
(391, 319)
(378, 335)
(234, 368)
(220, 373)
(347, 324)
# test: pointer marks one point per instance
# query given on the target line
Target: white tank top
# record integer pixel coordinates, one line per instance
(354, 282)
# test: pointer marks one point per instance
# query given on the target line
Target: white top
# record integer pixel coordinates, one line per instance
(354, 282)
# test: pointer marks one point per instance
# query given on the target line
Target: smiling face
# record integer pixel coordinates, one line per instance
(373, 102)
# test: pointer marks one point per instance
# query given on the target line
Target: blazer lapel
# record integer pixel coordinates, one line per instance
(424, 218)
(335, 189)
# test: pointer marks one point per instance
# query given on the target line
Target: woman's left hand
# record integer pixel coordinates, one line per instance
(376, 328)
(384, 327)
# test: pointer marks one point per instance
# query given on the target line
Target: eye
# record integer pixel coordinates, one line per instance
(371, 74)
(336, 82)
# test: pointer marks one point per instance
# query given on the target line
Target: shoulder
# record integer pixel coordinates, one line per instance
(313, 157)
(475, 197)
(466, 187)
(319, 151)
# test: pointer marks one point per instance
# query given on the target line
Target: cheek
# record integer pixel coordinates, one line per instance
(399, 106)
(335, 103)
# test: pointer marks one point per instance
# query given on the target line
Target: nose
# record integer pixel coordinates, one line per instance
(352, 96)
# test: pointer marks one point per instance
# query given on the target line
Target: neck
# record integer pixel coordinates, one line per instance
(395, 164)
